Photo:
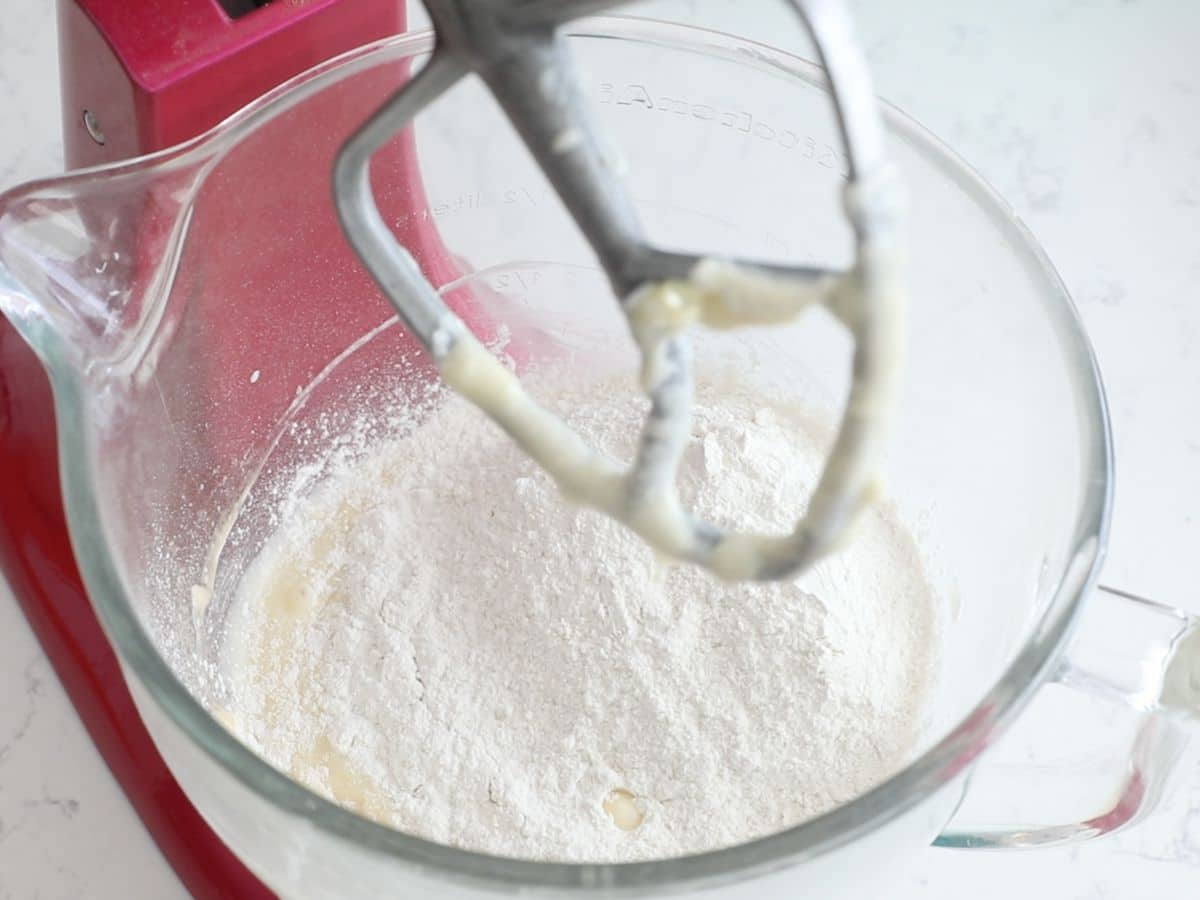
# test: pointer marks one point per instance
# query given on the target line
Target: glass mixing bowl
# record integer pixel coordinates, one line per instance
(208, 333)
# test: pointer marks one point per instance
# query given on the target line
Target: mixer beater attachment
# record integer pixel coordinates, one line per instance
(516, 47)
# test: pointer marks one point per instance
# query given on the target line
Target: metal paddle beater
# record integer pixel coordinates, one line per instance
(516, 47)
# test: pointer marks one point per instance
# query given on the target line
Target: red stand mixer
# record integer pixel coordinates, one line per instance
(268, 267)
(138, 77)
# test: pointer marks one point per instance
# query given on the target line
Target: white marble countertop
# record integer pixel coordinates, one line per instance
(1085, 114)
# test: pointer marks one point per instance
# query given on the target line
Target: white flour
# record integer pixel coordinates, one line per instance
(434, 639)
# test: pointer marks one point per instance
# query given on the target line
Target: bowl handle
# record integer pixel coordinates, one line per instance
(1138, 654)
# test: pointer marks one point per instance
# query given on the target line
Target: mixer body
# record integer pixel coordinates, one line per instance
(139, 76)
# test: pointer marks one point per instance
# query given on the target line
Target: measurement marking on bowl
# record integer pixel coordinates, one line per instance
(92, 124)
(622, 808)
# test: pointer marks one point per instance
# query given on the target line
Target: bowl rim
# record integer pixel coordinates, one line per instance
(937, 767)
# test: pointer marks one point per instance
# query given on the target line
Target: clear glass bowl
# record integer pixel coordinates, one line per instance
(200, 317)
